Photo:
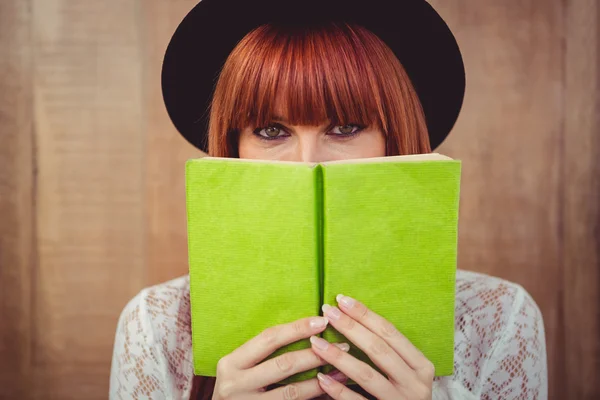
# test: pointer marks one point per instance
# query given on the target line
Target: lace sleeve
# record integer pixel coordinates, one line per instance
(517, 366)
(137, 370)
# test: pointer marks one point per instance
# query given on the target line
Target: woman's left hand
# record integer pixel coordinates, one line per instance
(409, 373)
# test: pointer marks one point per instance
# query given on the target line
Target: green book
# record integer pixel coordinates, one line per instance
(271, 241)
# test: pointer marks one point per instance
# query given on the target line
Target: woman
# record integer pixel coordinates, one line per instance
(315, 91)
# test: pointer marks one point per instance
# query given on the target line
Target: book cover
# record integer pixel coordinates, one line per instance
(270, 242)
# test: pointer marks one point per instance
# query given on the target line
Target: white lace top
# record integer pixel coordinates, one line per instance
(500, 348)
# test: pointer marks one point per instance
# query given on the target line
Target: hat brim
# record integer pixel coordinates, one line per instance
(412, 29)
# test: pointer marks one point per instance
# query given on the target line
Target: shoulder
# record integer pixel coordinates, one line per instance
(172, 291)
(165, 301)
(157, 310)
(500, 348)
(478, 293)
(499, 306)
(153, 342)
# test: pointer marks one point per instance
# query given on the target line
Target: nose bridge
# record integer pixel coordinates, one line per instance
(308, 148)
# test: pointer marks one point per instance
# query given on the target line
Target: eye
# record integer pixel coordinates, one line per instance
(346, 130)
(269, 133)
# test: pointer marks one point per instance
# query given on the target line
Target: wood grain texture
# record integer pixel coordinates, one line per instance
(581, 205)
(166, 150)
(508, 137)
(90, 199)
(17, 217)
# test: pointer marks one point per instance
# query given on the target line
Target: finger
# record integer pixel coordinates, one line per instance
(336, 390)
(338, 376)
(335, 374)
(378, 350)
(283, 366)
(413, 357)
(308, 389)
(360, 372)
(273, 338)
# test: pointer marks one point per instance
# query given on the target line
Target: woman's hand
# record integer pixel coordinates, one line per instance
(409, 374)
(241, 375)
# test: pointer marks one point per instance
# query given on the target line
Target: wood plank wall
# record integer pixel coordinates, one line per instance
(91, 177)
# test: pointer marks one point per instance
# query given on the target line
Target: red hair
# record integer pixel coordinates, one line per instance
(341, 73)
(335, 72)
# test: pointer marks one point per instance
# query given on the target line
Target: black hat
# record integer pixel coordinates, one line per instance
(414, 31)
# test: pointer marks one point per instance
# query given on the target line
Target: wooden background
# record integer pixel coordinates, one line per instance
(92, 195)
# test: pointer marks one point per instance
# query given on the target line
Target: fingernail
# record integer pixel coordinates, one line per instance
(318, 322)
(345, 301)
(319, 343)
(338, 376)
(325, 380)
(342, 346)
(331, 312)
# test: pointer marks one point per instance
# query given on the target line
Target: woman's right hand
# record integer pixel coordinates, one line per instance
(242, 375)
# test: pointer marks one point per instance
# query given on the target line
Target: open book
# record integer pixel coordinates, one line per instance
(271, 241)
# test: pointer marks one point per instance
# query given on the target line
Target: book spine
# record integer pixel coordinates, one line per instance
(319, 203)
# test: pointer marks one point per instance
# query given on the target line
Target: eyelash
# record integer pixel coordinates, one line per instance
(256, 132)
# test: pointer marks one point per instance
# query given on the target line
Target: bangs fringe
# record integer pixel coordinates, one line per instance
(334, 73)
(317, 73)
